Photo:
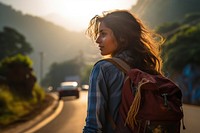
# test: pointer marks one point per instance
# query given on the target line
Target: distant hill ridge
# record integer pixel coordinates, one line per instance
(54, 41)
(156, 12)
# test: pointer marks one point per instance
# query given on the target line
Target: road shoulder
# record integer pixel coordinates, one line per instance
(37, 117)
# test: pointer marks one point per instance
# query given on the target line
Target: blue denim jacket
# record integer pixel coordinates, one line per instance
(104, 97)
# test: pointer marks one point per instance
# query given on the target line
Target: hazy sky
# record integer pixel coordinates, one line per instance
(72, 14)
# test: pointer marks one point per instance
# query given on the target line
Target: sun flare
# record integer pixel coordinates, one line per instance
(71, 14)
(79, 12)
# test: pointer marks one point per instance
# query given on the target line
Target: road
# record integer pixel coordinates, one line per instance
(191, 119)
(72, 117)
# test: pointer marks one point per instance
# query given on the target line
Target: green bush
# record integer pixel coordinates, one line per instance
(12, 107)
(18, 75)
(17, 59)
(181, 49)
(38, 94)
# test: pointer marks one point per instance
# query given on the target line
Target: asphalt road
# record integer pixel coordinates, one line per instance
(191, 119)
(72, 117)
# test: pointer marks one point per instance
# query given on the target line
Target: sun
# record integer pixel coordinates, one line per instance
(79, 12)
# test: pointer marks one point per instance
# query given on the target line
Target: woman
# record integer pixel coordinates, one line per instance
(122, 35)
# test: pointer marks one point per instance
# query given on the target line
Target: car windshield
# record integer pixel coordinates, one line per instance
(68, 85)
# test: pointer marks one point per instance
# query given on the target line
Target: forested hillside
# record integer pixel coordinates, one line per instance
(156, 12)
(56, 43)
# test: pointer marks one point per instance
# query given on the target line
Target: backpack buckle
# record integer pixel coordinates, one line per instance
(165, 99)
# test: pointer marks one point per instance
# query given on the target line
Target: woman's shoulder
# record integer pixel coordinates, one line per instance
(105, 65)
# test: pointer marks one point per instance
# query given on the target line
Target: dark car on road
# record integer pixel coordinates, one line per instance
(68, 89)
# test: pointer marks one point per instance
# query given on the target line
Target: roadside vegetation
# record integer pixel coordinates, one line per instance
(180, 54)
(182, 46)
(20, 93)
(13, 107)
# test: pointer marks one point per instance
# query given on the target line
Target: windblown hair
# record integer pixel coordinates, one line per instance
(133, 36)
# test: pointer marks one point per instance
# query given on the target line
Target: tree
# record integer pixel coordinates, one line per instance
(191, 17)
(167, 27)
(181, 49)
(58, 72)
(12, 43)
(18, 74)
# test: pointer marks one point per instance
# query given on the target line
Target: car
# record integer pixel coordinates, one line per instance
(85, 87)
(68, 89)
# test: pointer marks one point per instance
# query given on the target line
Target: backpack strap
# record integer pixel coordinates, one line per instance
(120, 64)
(123, 66)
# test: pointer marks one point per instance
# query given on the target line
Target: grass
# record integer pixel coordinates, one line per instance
(34, 113)
(13, 108)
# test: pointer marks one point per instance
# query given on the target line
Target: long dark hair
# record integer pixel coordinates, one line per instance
(133, 36)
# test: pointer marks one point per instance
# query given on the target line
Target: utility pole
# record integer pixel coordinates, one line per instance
(41, 65)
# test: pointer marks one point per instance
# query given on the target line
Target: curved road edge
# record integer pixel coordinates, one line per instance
(47, 119)
(41, 120)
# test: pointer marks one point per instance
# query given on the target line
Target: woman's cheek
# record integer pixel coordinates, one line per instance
(103, 39)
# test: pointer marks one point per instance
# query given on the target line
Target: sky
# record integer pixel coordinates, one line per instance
(74, 15)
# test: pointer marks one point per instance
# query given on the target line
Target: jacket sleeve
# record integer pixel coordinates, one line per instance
(96, 102)
(102, 83)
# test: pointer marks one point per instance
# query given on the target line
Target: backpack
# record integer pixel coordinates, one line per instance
(149, 103)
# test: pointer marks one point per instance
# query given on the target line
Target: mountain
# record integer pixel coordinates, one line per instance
(156, 12)
(55, 42)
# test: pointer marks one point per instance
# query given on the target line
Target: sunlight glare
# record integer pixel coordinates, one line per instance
(79, 12)
(73, 15)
